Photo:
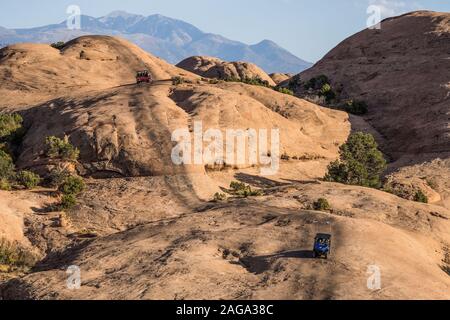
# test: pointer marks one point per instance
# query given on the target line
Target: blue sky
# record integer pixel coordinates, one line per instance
(307, 28)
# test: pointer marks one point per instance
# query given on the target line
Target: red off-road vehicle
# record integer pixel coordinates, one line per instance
(143, 77)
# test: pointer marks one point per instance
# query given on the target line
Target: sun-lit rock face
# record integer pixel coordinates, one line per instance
(145, 228)
(210, 67)
(124, 129)
(402, 72)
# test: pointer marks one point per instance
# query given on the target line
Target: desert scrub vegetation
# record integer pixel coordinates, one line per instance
(355, 107)
(241, 189)
(255, 81)
(295, 82)
(319, 90)
(360, 162)
(327, 92)
(72, 185)
(285, 157)
(407, 191)
(6, 166)
(419, 196)
(178, 80)
(58, 45)
(28, 179)
(219, 197)
(69, 186)
(320, 86)
(58, 175)
(70, 189)
(321, 204)
(7, 171)
(9, 177)
(14, 257)
(284, 91)
(10, 124)
(317, 83)
(5, 185)
(68, 201)
(11, 135)
(322, 92)
(62, 149)
(11, 132)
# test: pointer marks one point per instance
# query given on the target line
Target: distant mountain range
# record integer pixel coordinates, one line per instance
(170, 39)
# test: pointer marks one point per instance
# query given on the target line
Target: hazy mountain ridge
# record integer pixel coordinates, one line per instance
(171, 39)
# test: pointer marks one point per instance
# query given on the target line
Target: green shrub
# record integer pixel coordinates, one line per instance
(4, 147)
(178, 80)
(234, 185)
(5, 185)
(219, 197)
(72, 185)
(295, 82)
(322, 87)
(11, 132)
(325, 89)
(28, 179)
(355, 107)
(9, 124)
(15, 256)
(322, 204)
(232, 79)
(57, 176)
(243, 190)
(285, 91)
(405, 191)
(70, 189)
(420, 197)
(68, 201)
(57, 148)
(58, 45)
(6, 166)
(360, 163)
(327, 92)
(255, 81)
(316, 83)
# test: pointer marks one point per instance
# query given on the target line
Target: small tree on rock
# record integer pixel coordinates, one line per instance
(57, 148)
(360, 163)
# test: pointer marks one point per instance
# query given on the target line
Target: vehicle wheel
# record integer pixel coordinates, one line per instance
(314, 255)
